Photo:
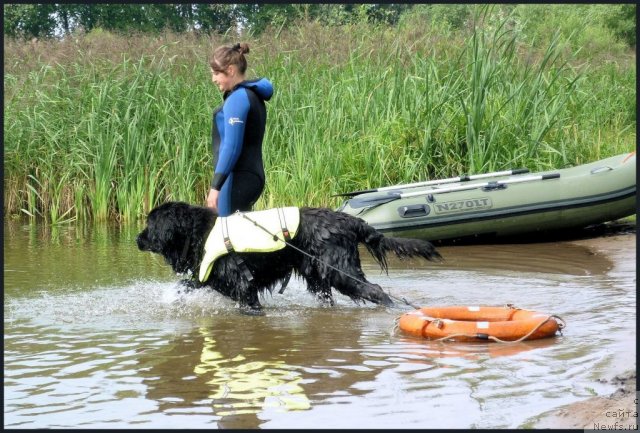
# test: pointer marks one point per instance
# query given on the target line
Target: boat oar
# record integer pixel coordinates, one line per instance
(464, 178)
(391, 196)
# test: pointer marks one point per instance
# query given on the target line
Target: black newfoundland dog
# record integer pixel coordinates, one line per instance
(178, 231)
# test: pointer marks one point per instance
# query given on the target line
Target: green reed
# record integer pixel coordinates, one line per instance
(108, 131)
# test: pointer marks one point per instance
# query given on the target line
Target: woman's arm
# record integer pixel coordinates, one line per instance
(236, 108)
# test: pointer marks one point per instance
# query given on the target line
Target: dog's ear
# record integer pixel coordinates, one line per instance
(164, 227)
(166, 232)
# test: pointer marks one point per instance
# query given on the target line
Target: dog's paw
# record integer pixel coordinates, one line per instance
(326, 299)
(248, 310)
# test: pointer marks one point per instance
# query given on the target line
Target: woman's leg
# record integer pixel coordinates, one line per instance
(246, 190)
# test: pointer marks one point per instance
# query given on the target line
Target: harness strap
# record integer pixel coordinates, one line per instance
(283, 225)
(225, 236)
(229, 246)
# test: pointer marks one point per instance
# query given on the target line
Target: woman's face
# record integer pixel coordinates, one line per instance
(224, 80)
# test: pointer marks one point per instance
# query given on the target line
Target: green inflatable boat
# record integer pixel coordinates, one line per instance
(502, 204)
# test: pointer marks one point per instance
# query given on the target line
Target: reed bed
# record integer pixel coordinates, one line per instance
(100, 127)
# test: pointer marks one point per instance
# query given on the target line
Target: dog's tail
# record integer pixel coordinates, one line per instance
(379, 245)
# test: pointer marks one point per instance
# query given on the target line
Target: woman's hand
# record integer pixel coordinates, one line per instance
(212, 199)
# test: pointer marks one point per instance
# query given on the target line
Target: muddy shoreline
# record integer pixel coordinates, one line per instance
(619, 409)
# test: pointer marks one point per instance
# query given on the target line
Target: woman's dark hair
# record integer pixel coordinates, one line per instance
(230, 55)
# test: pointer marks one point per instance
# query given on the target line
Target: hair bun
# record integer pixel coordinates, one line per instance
(242, 48)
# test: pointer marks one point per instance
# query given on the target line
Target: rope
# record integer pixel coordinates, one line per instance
(439, 323)
(312, 257)
(404, 300)
(395, 327)
(561, 326)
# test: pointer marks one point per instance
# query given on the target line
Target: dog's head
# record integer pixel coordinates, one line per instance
(177, 231)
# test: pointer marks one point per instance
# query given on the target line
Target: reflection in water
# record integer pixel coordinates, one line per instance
(552, 258)
(426, 349)
(243, 372)
(98, 336)
(51, 258)
(241, 387)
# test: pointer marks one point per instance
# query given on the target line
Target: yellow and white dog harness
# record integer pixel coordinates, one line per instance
(240, 234)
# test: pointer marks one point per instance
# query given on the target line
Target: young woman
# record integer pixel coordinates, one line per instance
(237, 132)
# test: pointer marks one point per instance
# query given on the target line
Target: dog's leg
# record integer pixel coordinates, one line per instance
(247, 296)
(284, 283)
(188, 286)
(356, 286)
(250, 304)
(350, 282)
(321, 289)
(373, 293)
(326, 298)
(253, 301)
(229, 279)
(252, 307)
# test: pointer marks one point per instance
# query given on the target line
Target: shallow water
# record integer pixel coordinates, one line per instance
(97, 335)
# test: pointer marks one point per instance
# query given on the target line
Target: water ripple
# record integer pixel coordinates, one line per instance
(141, 353)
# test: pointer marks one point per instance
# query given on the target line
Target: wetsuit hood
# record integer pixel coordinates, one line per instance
(261, 86)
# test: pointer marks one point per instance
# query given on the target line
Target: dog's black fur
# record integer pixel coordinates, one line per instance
(178, 232)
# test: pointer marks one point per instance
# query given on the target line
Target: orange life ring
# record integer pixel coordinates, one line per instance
(464, 323)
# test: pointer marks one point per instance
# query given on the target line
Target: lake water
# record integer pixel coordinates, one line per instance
(98, 335)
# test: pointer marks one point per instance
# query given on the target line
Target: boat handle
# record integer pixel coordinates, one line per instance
(601, 169)
(412, 211)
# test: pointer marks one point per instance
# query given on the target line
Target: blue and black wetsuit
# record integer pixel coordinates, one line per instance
(237, 133)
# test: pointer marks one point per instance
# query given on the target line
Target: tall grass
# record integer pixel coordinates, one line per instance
(104, 128)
